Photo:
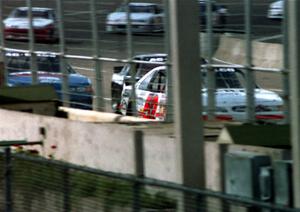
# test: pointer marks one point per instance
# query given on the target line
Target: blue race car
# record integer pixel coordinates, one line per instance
(48, 72)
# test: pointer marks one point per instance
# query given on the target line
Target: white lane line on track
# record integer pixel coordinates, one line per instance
(268, 38)
(86, 12)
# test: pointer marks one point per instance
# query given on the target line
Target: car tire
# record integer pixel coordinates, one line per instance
(115, 98)
(125, 109)
(222, 22)
(129, 109)
(53, 38)
(115, 105)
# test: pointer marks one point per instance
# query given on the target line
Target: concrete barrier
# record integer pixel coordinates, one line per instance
(204, 43)
(102, 145)
(103, 117)
(265, 55)
(111, 146)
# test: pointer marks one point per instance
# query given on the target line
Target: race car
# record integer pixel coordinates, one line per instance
(19, 73)
(143, 64)
(219, 15)
(151, 97)
(144, 17)
(16, 25)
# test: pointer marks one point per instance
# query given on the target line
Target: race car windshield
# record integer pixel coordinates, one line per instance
(138, 9)
(226, 78)
(203, 7)
(45, 64)
(24, 14)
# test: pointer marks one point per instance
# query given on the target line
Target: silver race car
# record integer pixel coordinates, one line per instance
(144, 17)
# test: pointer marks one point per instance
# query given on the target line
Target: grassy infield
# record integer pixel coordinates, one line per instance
(34, 179)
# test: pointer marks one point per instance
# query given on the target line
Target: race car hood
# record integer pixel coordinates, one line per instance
(122, 16)
(23, 23)
(25, 78)
(237, 97)
(277, 4)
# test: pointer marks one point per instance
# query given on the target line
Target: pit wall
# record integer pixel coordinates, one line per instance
(111, 147)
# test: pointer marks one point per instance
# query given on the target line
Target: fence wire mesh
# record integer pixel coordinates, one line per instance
(86, 36)
(38, 184)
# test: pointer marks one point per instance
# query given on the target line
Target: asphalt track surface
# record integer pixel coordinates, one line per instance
(78, 35)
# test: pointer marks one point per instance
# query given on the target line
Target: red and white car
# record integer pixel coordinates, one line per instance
(151, 97)
(17, 25)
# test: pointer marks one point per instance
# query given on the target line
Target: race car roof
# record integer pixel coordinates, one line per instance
(27, 54)
(43, 9)
(142, 4)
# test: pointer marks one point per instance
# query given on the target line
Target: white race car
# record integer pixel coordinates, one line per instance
(16, 25)
(144, 17)
(151, 97)
(275, 10)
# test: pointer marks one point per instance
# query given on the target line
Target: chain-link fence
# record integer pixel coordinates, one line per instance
(101, 49)
(32, 183)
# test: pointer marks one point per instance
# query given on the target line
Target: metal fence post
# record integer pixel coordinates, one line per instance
(3, 73)
(250, 99)
(139, 168)
(99, 104)
(66, 189)
(62, 44)
(187, 94)
(169, 106)
(128, 30)
(211, 102)
(285, 71)
(31, 36)
(294, 66)
(130, 56)
(7, 181)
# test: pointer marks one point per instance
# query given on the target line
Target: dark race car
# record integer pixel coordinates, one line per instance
(219, 15)
(48, 72)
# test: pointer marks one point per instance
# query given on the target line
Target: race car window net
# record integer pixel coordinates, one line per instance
(145, 83)
(125, 70)
(158, 83)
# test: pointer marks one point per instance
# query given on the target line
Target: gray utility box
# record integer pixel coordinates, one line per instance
(283, 182)
(248, 174)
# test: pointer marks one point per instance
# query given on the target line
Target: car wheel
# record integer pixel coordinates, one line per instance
(115, 104)
(123, 108)
(115, 97)
(222, 22)
(129, 109)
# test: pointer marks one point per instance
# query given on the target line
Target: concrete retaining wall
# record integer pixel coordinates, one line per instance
(110, 147)
(205, 46)
(100, 145)
(266, 55)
